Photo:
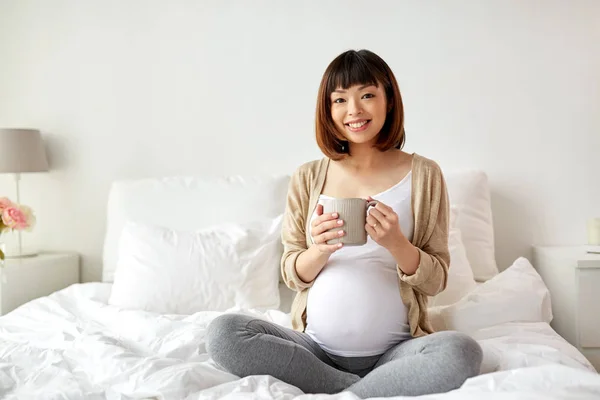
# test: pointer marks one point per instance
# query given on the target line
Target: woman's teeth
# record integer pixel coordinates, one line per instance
(358, 124)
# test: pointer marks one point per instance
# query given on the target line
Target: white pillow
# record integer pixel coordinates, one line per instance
(460, 274)
(181, 272)
(189, 204)
(470, 194)
(517, 294)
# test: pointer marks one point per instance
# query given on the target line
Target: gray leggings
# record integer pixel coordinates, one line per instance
(435, 363)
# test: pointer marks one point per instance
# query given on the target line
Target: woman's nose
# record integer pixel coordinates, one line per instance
(354, 107)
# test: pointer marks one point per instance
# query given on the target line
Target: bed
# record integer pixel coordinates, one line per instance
(175, 258)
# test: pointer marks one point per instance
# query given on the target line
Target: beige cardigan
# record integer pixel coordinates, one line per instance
(431, 214)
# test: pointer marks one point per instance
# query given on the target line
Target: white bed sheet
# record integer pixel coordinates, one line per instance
(72, 345)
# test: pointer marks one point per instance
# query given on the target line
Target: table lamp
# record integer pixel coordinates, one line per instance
(21, 151)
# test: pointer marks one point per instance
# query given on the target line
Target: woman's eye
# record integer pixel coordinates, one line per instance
(339, 100)
(368, 96)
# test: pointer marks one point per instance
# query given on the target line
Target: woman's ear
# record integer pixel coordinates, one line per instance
(390, 106)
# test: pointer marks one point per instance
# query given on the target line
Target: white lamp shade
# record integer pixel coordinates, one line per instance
(22, 150)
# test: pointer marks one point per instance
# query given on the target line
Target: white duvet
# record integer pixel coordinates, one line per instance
(72, 345)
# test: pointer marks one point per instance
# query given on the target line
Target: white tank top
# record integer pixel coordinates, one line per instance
(354, 308)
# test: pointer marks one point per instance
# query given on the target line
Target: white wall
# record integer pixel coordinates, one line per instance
(127, 89)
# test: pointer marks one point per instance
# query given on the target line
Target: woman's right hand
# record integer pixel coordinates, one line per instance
(319, 231)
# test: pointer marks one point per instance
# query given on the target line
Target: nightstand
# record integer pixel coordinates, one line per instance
(25, 279)
(573, 279)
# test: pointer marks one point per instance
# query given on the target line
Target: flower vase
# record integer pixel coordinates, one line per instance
(17, 244)
(2, 252)
(15, 220)
(3, 279)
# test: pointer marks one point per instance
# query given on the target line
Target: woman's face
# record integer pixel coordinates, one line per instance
(359, 112)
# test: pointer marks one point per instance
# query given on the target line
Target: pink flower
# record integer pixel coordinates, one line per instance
(18, 217)
(4, 203)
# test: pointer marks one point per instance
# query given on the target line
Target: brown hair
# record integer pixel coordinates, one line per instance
(351, 68)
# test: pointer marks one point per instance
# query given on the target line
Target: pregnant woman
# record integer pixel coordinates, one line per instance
(359, 317)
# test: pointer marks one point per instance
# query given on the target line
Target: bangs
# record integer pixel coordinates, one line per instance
(352, 69)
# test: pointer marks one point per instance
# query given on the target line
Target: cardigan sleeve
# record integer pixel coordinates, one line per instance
(293, 233)
(431, 276)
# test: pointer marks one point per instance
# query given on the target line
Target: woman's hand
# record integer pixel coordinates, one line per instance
(383, 226)
(310, 263)
(319, 231)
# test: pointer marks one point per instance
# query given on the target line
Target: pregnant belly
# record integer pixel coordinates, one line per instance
(356, 310)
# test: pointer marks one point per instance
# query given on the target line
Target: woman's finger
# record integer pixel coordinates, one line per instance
(319, 209)
(380, 219)
(324, 217)
(327, 225)
(383, 208)
(324, 237)
(330, 248)
(370, 230)
(371, 220)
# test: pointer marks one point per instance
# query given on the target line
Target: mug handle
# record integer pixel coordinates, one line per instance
(372, 203)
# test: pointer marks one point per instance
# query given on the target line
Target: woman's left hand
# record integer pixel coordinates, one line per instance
(383, 225)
